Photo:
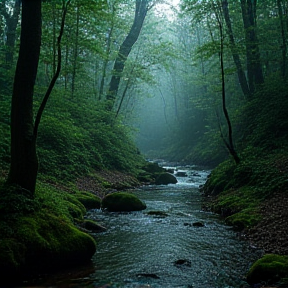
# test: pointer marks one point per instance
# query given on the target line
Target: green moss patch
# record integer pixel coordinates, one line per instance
(38, 234)
(121, 202)
(89, 200)
(165, 178)
(43, 241)
(270, 269)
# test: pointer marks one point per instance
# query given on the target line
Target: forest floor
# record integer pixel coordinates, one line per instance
(271, 233)
(105, 182)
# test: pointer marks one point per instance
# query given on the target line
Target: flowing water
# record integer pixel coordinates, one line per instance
(142, 250)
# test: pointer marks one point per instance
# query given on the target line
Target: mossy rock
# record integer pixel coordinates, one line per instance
(75, 208)
(43, 241)
(270, 268)
(122, 202)
(74, 211)
(152, 168)
(165, 179)
(89, 200)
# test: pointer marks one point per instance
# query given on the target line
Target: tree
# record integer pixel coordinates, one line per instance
(254, 69)
(24, 161)
(229, 144)
(125, 49)
(235, 54)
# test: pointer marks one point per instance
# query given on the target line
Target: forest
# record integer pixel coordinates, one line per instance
(94, 93)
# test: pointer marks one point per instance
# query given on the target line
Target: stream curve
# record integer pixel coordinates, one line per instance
(185, 247)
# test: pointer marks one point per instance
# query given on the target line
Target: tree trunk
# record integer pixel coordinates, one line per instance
(241, 75)
(24, 162)
(125, 49)
(107, 53)
(284, 41)
(254, 69)
(75, 56)
(229, 144)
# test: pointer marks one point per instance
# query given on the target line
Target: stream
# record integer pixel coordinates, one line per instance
(184, 248)
(142, 250)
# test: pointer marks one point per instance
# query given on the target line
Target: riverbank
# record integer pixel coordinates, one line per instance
(40, 234)
(253, 197)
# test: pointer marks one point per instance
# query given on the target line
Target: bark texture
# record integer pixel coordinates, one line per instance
(24, 163)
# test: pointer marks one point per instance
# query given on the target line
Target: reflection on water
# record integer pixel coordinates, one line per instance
(140, 250)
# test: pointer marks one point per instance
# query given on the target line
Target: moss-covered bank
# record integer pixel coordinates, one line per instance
(45, 233)
(39, 234)
(253, 197)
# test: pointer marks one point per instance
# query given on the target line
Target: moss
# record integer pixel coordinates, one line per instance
(89, 200)
(43, 241)
(75, 208)
(38, 234)
(121, 201)
(247, 218)
(12, 255)
(270, 268)
(165, 178)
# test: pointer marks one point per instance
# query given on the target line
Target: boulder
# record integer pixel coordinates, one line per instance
(270, 269)
(182, 262)
(165, 179)
(89, 200)
(181, 174)
(198, 224)
(122, 202)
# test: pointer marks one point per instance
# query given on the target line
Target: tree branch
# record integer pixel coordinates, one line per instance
(56, 75)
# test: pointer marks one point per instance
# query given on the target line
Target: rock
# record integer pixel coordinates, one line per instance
(196, 174)
(170, 170)
(198, 224)
(157, 213)
(183, 262)
(122, 202)
(89, 200)
(195, 224)
(181, 174)
(270, 268)
(43, 241)
(93, 226)
(165, 179)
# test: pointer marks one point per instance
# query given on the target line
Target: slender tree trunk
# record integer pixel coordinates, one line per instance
(76, 48)
(229, 144)
(241, 75)
(54, 36)
(284, 41)
(125, 49)
(66, 75)
(24, 163)
(57, 72)
(106, 61)
(107, 53)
